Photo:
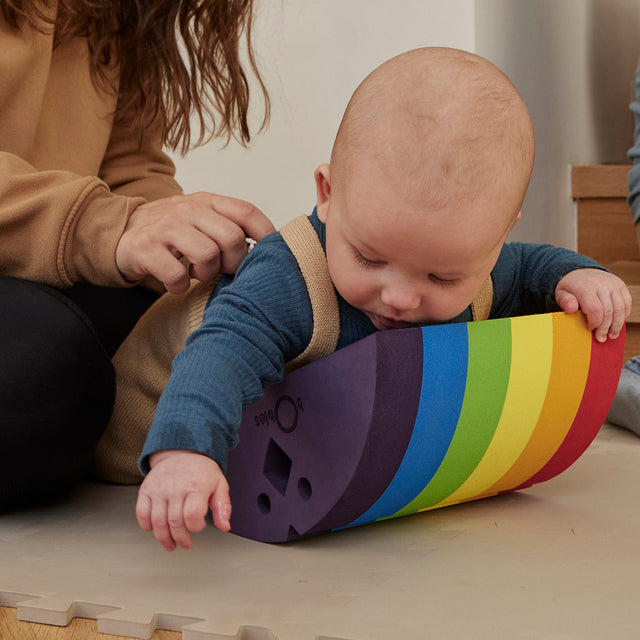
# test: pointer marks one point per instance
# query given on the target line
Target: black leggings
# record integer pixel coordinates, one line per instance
(57, 383)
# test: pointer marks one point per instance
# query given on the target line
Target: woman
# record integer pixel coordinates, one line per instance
(92, 223)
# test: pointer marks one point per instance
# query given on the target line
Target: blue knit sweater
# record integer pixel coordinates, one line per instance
(261, 318)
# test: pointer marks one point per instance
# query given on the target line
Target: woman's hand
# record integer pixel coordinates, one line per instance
(188, 236)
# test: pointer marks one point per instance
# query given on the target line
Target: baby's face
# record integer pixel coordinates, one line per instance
(402, 265)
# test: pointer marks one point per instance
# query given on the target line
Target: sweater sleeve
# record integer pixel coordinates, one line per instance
(633, 178)
(250, 328)
(526, 275)
(135, 164)
(59, 227)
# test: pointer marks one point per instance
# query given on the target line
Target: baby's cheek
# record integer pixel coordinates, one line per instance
(354, 291)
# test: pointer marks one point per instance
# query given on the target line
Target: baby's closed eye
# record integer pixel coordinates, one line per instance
(443, 282)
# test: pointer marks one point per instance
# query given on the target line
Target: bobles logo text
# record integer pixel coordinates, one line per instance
(285, 414)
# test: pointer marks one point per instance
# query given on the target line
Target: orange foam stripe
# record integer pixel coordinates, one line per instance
(567, 379)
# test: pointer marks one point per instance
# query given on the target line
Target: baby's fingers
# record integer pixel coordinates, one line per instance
(178, 532)
(567, 301)
(143, 512)
(160, 524)
(599, 313)
(603, 297)
(220, 504)
(621, 303)
(195, 510)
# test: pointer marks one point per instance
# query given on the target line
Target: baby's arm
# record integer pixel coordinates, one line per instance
(602, 297)
(248, 331)
(176, 495)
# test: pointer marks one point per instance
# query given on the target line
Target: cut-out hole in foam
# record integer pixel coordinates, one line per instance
(264, 504)
(277, 467)
(304, 488)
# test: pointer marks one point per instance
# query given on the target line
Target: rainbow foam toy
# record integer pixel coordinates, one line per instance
(414, 419)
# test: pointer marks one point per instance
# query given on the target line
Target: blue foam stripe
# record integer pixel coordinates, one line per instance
(444, 379)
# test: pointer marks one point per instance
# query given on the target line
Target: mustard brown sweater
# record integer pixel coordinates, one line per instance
(69, 178)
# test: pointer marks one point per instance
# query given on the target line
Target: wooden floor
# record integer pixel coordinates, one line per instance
(79, 629)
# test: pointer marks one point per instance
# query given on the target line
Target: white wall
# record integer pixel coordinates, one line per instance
(313, 54)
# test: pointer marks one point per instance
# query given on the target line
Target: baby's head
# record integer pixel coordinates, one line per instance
(428, 173)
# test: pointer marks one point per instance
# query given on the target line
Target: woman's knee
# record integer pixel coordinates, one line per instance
(57, 388)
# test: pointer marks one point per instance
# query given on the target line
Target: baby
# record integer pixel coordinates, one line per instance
(427, 176)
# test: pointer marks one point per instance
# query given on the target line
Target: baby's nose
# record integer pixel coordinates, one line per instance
(400, 298)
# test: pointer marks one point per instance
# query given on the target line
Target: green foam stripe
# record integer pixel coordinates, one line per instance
(487, 381)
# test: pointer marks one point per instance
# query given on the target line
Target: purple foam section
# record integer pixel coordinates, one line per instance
(397, 394)
(322, 446)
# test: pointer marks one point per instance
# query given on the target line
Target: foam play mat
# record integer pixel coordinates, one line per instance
(415, 419)
(556, 561)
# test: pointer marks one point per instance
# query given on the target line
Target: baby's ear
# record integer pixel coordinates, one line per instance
(517, 219)
(322, 176)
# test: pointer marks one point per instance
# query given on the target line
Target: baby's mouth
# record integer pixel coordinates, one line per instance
(383, 322)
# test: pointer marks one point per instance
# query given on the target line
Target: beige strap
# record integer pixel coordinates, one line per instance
(303, 241)
(481, 305)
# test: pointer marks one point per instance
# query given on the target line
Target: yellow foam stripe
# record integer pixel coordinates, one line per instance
(531, 357)
(571, 358)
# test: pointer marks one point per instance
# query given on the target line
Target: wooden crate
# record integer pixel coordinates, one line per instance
(606, 232)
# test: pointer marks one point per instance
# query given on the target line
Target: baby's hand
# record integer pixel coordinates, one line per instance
(603, 298)
(176, 495)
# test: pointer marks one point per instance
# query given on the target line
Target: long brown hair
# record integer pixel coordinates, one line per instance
(145, 39)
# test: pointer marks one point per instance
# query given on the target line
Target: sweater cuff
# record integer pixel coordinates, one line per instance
(89, 240)
(210, 443)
